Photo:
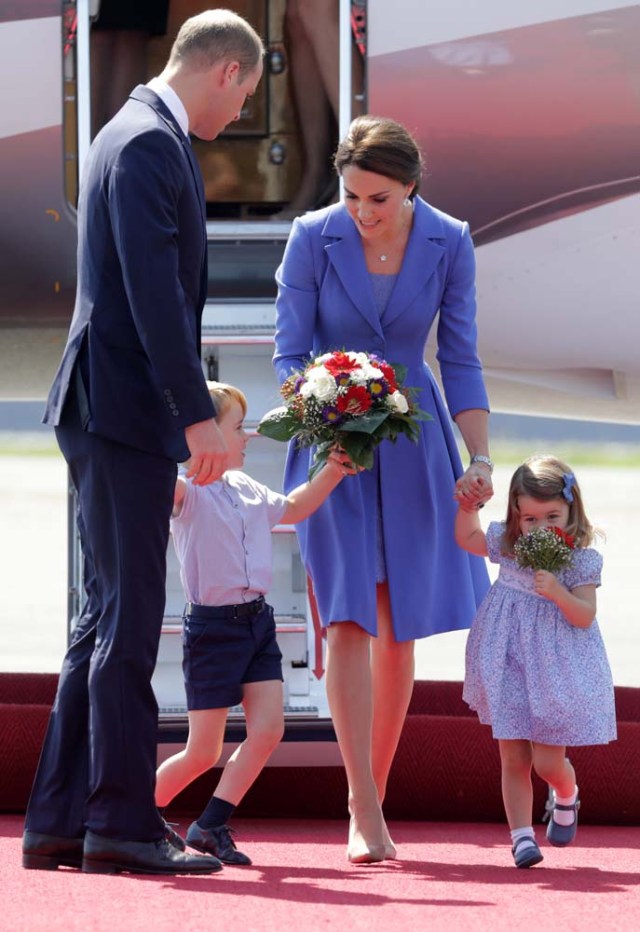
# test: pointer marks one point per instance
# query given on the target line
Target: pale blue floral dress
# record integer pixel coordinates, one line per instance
(529, 673)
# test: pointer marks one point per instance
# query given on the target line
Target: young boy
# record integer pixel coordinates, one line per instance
(222, 536)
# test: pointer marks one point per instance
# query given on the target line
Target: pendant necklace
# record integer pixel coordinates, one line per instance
(384, 257)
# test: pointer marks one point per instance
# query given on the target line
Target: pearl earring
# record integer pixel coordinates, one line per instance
(407, 202)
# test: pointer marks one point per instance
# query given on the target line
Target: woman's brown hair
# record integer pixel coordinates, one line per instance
(377, 144)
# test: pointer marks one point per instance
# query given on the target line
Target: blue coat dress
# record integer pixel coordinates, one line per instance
(325, 301)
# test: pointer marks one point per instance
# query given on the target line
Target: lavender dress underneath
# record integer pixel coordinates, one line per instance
(382, 287)
(529, 673)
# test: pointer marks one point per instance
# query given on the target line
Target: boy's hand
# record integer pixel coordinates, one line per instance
(339, 460)
(208, 450)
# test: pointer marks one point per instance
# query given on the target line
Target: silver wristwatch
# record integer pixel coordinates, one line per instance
(479, 458)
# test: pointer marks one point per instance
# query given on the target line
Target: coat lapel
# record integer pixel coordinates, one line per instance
(345, 254)
(425, 249)
(146, 96)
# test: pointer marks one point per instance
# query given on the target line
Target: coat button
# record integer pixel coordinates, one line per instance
(175, 413)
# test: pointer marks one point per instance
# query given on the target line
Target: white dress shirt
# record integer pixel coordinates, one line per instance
(172, 101)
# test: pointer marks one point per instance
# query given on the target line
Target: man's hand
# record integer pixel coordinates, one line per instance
(208, 450)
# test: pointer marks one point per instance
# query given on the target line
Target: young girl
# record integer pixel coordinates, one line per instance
(222, 537)
(536, 667)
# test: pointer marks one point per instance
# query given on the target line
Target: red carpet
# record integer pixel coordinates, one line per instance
(452, 877)
(446, 767)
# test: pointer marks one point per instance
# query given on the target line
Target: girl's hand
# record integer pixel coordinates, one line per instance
(474, 487)
(548, 585)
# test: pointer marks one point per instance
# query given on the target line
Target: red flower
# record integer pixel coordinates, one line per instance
(568, 539)
(356, 400)
(339, 362)
(389, 375)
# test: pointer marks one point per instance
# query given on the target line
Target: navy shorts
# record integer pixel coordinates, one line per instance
(222, 652)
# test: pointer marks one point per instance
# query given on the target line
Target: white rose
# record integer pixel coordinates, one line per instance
(321, 384)
(398, 401)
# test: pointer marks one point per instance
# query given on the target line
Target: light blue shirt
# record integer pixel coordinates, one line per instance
(222, 538)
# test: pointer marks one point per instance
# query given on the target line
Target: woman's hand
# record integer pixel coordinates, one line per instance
(474, 487)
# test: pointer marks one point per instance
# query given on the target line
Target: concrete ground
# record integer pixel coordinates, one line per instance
(33, 561)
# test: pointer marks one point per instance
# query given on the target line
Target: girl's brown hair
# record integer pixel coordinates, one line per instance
(544, 478)
(223, 394)
(377, 144)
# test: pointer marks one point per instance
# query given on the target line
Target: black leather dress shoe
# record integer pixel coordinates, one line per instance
(217, 841)
(49, 852)
(172, 836)
(111, 856)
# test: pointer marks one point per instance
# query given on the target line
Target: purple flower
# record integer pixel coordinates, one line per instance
(297, 385)
(378, 388)
(331, 415)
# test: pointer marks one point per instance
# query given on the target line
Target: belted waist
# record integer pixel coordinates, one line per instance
(225, 611)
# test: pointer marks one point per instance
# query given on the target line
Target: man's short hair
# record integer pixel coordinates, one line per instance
(215, 36)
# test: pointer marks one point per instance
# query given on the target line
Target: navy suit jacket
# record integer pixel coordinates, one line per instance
(142, 283)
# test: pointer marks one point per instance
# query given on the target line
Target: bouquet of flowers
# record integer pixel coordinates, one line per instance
(544, 548)
(346, 399)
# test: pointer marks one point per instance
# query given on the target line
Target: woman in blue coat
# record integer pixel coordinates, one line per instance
(371, 274)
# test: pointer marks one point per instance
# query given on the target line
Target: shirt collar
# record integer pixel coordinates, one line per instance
(172, 101)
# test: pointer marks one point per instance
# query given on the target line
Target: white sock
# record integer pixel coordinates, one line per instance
(525, 832)
(561, 817)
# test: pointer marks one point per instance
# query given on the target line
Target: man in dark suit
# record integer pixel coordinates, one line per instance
(128, 402)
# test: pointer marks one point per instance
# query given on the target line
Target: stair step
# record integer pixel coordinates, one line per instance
(176, 713)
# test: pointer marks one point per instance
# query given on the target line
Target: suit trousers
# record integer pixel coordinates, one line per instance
(98, 762)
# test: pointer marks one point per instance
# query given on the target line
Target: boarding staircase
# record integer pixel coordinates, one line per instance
(238, 328)
(237, 347)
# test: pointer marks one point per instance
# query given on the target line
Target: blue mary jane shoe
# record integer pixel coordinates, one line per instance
(526, 852)
(561, 835)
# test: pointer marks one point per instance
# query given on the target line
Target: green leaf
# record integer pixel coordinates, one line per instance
(400, 371)
(365, 424)
(359, 448)
(319, 459)
(279, 424)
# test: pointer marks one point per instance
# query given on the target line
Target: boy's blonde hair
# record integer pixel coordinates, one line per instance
(544, 478)
(223, 394)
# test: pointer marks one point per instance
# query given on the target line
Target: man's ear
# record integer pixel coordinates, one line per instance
(231, 72)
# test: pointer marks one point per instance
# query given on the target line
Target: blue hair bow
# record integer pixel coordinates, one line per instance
(569, 482)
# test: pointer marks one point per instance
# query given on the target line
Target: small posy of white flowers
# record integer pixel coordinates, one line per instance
(398, 402)
(544, 548)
